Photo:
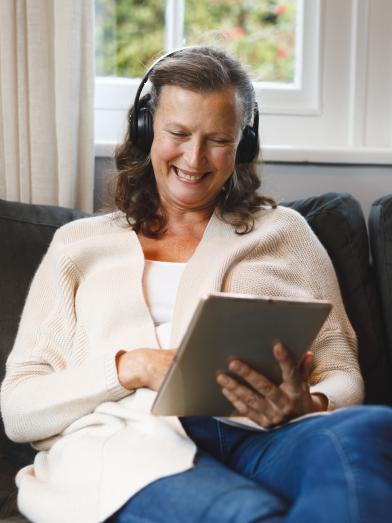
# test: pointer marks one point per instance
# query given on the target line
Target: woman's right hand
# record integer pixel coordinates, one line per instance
(143, 367)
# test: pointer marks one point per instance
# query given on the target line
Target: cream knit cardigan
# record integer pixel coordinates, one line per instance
(98, 443)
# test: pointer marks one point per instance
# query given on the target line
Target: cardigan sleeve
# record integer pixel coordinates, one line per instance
(51, 379)
(336, 372)
(288, 260)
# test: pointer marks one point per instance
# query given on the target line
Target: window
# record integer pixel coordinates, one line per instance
(326, 98)
(261, 34)
(267, 35)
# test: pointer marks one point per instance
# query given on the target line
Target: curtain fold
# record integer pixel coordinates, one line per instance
(47, 79)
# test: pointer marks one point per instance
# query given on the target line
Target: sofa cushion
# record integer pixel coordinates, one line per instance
(25, 232)
(380, 233)
(338, 221)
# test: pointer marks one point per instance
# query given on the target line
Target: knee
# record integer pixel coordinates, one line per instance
(358, 436)
(364, 423)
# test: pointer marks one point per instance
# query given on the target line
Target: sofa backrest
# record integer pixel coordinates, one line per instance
(338, 221)
(380, 235)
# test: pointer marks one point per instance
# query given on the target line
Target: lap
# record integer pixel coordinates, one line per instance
(354, 426)
(362, 431)
(342, 460)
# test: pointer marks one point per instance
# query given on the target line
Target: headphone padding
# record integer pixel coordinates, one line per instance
(145, 129)
(248, 147)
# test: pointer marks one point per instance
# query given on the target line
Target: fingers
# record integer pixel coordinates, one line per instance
(246, 408)
(295, 375)
(262, 401)
(252, 403)
(259, 383)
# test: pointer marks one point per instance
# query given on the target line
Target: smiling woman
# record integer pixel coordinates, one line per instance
(112, 300)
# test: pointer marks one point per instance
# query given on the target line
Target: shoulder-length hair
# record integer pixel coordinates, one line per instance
(200, 69)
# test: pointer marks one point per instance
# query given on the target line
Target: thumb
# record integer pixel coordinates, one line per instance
(305, 367)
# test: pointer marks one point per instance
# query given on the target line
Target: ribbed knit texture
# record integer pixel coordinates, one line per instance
(99, 444)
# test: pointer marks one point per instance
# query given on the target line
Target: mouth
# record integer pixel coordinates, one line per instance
(187, 176)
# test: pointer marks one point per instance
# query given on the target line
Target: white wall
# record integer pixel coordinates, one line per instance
(291, 181)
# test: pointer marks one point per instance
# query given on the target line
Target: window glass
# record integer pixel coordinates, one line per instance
(129, 34)
(261, 33)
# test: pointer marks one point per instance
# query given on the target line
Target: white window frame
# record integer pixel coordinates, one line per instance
(338, 109)
(302, 97)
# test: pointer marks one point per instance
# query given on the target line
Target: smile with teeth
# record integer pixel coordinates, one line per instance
(189, 177)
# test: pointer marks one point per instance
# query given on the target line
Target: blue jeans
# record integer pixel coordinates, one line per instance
(333, 469)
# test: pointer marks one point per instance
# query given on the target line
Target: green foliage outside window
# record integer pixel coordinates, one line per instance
(130, 34)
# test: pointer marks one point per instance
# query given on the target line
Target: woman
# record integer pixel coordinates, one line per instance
(112, 300)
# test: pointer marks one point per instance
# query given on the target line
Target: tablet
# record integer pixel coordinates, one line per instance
(226, 326)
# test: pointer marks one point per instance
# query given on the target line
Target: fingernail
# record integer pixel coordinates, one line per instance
(234, 365)
(222, 380)
(279, 348)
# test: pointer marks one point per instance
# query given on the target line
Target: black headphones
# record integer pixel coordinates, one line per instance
(141, 122)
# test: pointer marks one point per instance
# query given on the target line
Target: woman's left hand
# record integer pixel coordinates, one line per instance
(265, 403)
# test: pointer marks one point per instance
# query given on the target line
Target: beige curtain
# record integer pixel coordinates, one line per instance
(47, 102)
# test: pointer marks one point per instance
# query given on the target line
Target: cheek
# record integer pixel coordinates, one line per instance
(163, 151)
(224, 159)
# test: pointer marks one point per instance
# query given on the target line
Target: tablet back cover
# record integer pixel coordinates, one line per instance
(227, 326)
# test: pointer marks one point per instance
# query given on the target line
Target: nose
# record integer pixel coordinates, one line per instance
(195, 153)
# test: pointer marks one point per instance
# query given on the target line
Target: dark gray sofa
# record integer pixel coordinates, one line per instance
(380, 234)
(336, 218)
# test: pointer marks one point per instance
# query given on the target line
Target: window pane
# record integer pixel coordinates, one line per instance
(129, 34)
(261, 33)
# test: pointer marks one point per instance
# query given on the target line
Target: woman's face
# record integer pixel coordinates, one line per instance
(195, 141)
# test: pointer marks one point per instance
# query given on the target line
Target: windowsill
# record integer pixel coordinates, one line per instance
(287, 154)
(333, 155)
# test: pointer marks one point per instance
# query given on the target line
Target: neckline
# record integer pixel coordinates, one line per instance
(165, 262)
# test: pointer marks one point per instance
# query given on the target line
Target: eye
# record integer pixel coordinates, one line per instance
(220, 141)
(177, 134)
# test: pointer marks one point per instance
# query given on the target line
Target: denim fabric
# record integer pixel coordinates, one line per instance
(335, 468)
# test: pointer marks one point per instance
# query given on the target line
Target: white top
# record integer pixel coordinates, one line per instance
(160, 283)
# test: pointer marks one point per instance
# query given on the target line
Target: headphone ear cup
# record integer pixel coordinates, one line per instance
(248, 147)
(141, 131)
(145, 130)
